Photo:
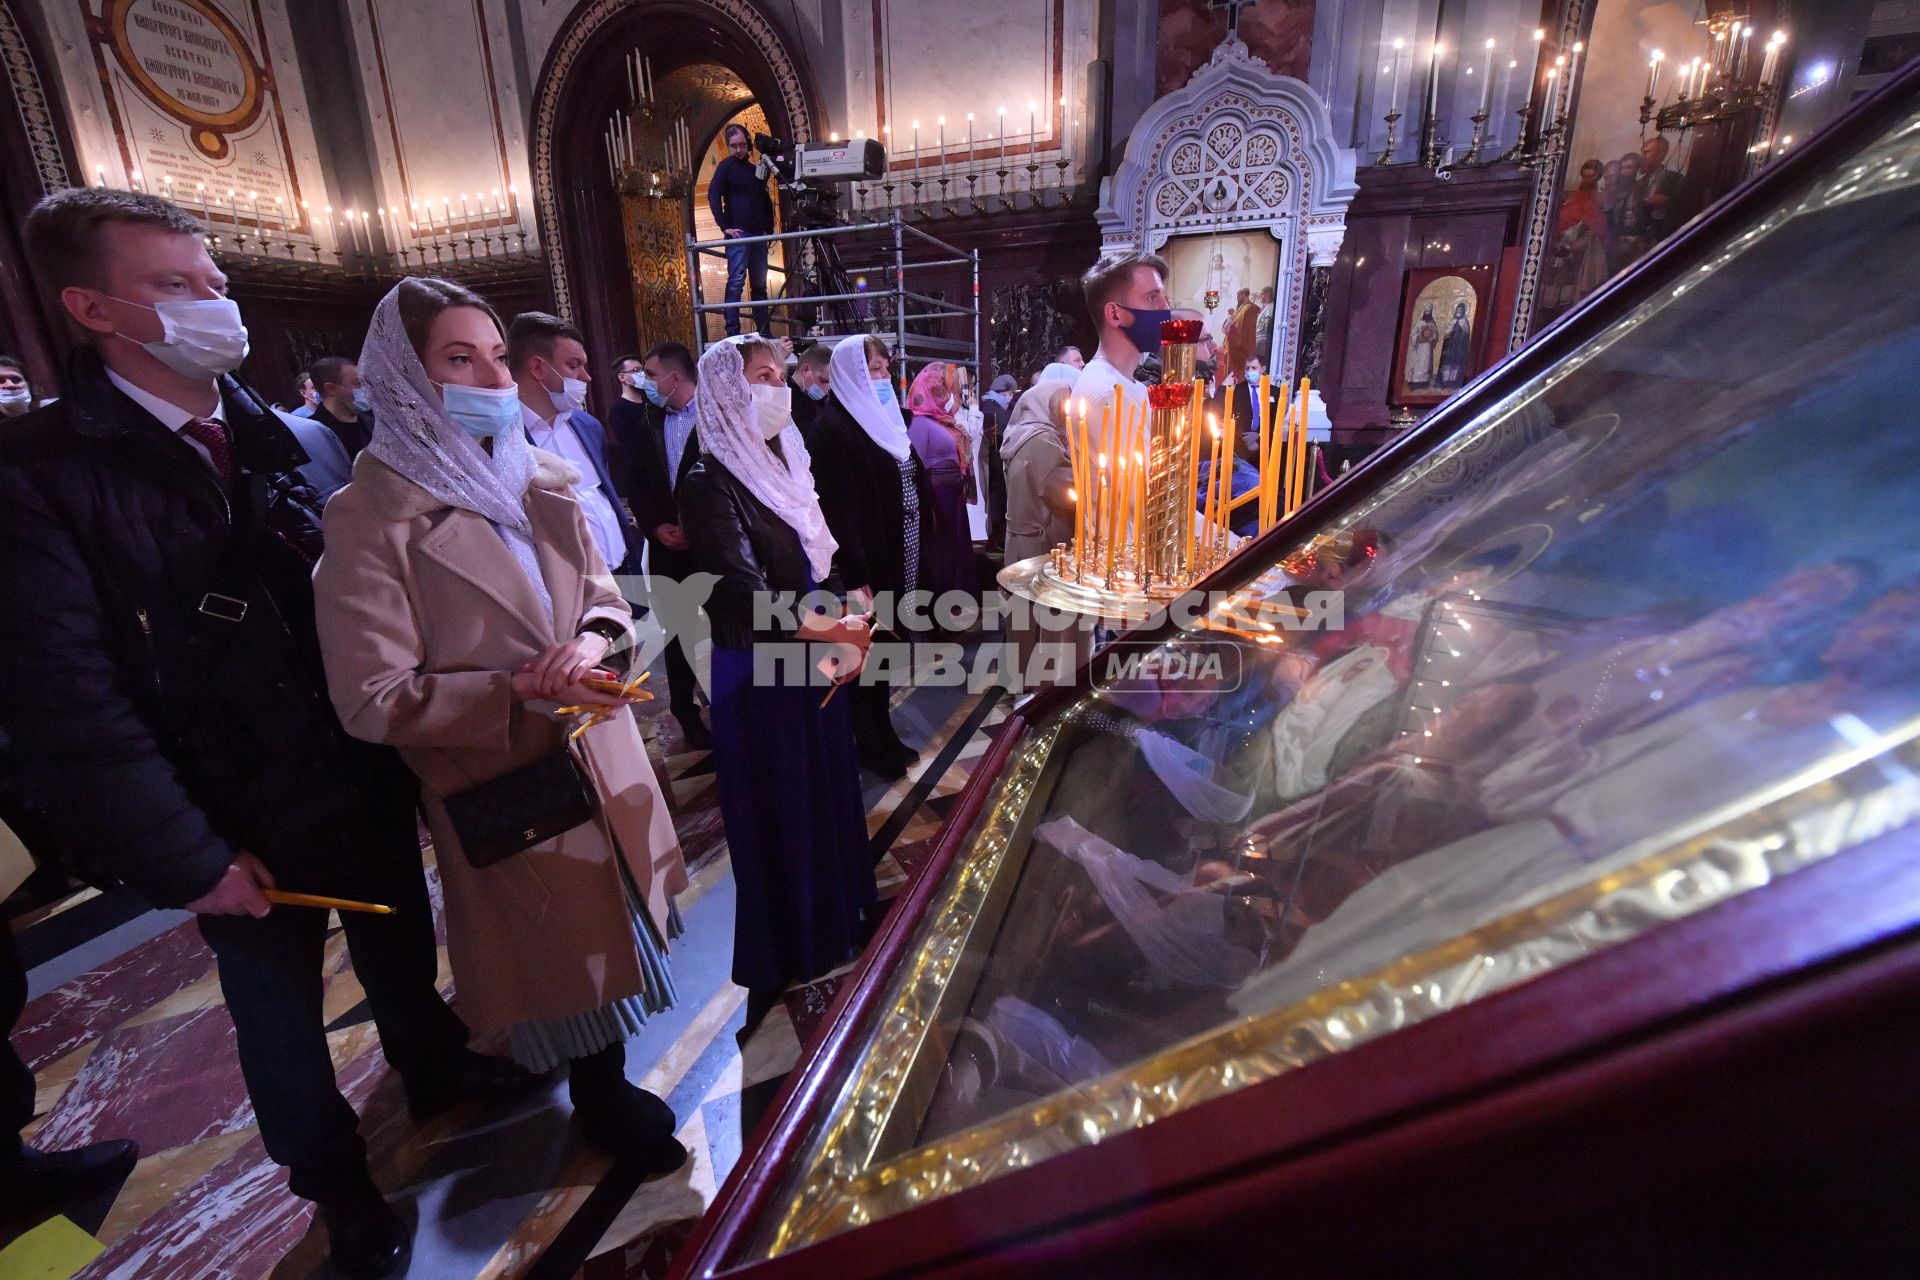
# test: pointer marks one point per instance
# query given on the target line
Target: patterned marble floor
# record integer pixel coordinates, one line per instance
(139, 1045)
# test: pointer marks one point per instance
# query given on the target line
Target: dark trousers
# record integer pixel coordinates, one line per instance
(270, 974)
(744, 261)
(681, 684)
(16, 1082)
(668, 565)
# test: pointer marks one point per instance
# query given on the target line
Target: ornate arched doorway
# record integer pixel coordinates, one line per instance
(709, 50)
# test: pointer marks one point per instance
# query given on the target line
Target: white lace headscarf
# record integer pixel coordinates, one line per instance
(848, 380)
(413, 434)
(724, 417)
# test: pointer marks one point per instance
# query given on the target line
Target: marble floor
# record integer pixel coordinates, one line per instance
(128, 1036)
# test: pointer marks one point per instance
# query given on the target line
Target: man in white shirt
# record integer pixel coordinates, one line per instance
(549, 364)
(1127, 297)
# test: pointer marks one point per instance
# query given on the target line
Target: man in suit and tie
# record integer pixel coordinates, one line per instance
(548, 361)
(665, 447)
(164, 718)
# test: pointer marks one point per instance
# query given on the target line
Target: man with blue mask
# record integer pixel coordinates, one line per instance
(165, 709)
(548, 360)
(667, 446)
(344, 408)
(1127, 298)
(809, 381)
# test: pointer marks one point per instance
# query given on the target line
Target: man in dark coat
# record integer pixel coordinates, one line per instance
(163, 707)
(663, 447)
(996, 407)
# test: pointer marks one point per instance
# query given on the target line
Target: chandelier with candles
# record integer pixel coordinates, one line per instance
(1715, 85)
(647, 156)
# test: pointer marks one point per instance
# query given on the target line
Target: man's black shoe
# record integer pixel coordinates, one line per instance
(469, 1077)
(695, 732)
(368, 1239)
(39, 1184)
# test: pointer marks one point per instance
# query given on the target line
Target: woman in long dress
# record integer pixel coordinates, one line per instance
(783, 751)
(874, 492)
(942, 446)
(461, 601)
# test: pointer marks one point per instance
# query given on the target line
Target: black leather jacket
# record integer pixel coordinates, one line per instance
(737, 538)
(162, 698)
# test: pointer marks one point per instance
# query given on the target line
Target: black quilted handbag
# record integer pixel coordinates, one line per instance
(518, 810)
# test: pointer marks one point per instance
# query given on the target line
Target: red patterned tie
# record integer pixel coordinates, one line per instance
(211, 433)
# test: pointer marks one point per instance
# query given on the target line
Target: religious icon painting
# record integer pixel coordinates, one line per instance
(1442, 332)
(1228, 281)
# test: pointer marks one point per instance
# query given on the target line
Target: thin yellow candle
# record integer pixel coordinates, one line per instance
(1300, 441)
(1077, 451)
(1134, 498)
(1213, 486)
(1190, 501)
(1263, 420)
(1116, 479)
(1106, 511)
(1226, 473)
(1282, 415)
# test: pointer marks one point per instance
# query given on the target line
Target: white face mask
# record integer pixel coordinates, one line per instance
(201, 338)
(481, 412)
(15, 395)
(772, 408)
(572, 395)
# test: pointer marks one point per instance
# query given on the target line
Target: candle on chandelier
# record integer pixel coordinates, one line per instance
(969, 163)
(1653, 76)
(941, 124)
(916, 144)
(1393, 101)
(1486, 84)
(1433, 81)
(1573, 70)
(1553, 96)
(1003, 139)
(1033, 133)
(1539, 51)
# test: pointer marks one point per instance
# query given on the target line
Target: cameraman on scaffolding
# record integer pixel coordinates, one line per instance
(741, 206)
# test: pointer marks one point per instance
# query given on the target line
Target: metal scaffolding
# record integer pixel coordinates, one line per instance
(837, 306)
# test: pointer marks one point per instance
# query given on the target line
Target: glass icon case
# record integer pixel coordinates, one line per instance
(1627, 633)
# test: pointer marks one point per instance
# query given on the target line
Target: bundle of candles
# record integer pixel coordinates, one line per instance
(1147, 523)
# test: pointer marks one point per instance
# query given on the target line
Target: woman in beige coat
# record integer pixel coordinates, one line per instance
(461, 601)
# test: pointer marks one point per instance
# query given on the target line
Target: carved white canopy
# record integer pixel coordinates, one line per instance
(1239, 147)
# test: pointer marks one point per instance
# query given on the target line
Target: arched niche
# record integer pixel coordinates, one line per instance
(1239, 147)
(584, 82)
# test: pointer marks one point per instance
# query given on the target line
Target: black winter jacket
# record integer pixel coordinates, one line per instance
(751, 550)
(162, 700)
(859, 486)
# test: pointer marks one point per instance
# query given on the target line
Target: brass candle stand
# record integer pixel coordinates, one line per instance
(1124, 569)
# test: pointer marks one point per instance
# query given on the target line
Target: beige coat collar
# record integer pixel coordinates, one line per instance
(485, 560)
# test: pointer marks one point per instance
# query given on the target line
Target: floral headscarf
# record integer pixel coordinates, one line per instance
(928, 399)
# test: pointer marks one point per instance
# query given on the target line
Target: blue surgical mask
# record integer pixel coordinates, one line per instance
(817, 391)
(651, 390)
(1143, 331)
(883, 391)
(481, 412)
(363, 400)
